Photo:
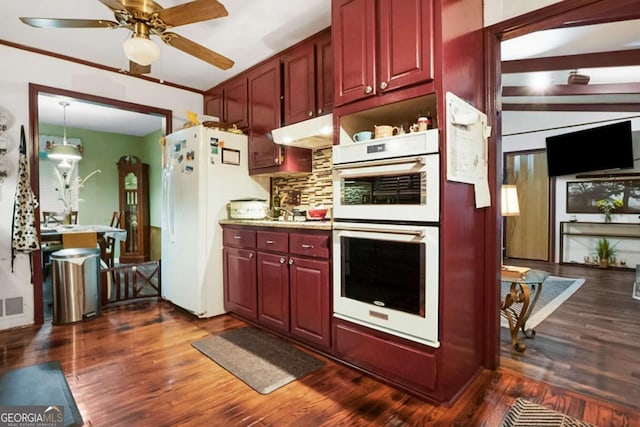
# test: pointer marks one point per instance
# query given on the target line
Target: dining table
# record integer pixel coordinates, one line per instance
(51, 237)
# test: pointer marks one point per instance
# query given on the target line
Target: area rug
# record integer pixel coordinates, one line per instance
(43, 385)
(555, 291)
(528, 414)
(262, 361)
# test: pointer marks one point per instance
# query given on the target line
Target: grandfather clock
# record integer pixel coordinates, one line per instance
(133, 182)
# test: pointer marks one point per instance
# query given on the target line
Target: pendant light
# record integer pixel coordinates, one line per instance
(65, 151)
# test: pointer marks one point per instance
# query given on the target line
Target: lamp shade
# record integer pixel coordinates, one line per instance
(141, 50)
(64, 152)
(509, 200)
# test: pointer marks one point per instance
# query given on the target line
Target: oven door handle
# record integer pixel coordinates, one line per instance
(418, 233)
(384, 162)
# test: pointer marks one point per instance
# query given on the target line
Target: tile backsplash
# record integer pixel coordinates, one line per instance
(315, 188)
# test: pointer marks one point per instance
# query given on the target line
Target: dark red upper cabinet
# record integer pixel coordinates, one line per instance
(299, 83)
(213, 103)
(405, 38)
(264, 115)
(308, 79)
(354, 44)
(235, 102)
(381, 46)
(324, 74)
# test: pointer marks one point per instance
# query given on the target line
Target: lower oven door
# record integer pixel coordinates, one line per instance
(386, 277)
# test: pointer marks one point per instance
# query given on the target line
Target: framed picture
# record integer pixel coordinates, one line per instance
(230, 156)
(583, 196)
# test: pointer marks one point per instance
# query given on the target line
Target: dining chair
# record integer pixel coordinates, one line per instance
(109, 249)
(115, 219)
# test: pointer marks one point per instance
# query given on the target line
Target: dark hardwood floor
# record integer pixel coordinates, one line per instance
(591, 343)
(134, 366)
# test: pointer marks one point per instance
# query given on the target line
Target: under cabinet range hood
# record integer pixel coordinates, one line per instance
(313, 133)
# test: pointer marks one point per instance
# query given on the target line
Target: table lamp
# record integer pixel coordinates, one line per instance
(509, 200)
(509, 206)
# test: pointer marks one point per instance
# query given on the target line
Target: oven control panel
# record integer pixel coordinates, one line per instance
(409, 144)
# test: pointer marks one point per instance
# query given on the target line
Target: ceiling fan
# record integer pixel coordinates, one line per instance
(145, 18)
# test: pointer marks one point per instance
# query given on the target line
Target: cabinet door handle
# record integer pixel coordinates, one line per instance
(282, 260)
(237, 237)
(384, 85)
(290, 261)
(305, 246)
(368, 89)
(310, 114)
(250, 255)
(319, 111)
(270, 242)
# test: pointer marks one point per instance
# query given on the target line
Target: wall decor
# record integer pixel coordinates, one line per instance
(583, 196)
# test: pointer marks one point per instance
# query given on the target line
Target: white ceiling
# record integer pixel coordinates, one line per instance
(253, 31)
(614, 36)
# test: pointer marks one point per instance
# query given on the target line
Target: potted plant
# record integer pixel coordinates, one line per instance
(605, 251)
(607, 206)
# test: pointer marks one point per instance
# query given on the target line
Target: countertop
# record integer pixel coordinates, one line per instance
(305, 225)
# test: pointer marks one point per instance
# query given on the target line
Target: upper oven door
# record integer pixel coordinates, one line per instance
(399, 189)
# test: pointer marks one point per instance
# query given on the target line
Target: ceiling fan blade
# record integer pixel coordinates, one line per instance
(68, 23)
(194, 11)
(135, 68)
(201, 52)
(113, 4)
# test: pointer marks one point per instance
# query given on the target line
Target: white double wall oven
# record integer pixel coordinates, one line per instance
(386, 234)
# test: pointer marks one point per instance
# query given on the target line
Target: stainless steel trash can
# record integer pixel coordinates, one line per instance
(76, 275)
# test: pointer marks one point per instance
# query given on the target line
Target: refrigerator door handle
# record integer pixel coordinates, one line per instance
(169, 183)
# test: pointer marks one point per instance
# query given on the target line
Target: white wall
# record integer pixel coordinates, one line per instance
(500, 10)
(21, 68)
(528, 130)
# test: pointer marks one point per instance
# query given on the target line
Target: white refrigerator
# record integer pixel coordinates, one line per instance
(203, 170)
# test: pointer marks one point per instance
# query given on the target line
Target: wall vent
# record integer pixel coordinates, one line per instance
(13, 306)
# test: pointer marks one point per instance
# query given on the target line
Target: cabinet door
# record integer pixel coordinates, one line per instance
(354, 43)
(299, 84)
(213, 104)
(273, 290)
(405, 38)
(324, 75)
(235, 102)
(240, 286)
(264, 115)
(310, 295)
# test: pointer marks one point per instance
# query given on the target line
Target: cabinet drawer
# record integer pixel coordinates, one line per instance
(311, 245)
(239, 238)
(379, 353)
(273, 241)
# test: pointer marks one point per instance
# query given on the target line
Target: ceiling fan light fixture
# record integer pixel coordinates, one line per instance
(141, 50)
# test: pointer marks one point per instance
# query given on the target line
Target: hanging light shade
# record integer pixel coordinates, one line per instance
(509, 200)
(65, 152)
(139, 48)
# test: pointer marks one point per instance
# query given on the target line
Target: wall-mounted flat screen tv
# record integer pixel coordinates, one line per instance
(594, 149)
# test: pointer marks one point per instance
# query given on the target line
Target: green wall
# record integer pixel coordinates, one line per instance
(102, 150)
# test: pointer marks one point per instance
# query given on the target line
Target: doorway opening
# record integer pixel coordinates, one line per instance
(36, 93)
